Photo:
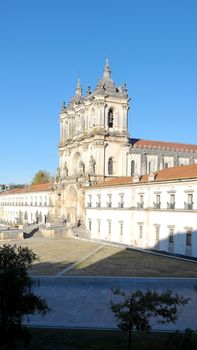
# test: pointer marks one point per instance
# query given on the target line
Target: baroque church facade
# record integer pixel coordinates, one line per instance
(95, 146)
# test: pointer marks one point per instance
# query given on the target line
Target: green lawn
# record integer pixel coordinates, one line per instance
(59, 339)
(112, 261)
(57, 255)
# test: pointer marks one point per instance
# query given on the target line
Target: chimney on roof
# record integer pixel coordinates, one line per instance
(151, 177)
(136, 178)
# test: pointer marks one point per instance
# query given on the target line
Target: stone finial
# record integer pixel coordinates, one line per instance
(88, 90)
(124, 88)
(57, 173)
(63, 106)
(78, 88)
(107, 71)
(120, 88)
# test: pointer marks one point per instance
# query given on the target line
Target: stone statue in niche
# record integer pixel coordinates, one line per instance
(81, 168)
(92, 165)
(66, 170)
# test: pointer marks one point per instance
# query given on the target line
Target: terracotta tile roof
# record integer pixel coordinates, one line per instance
(115, 181)
(138, 143)
(174, 173)
(31, 188)
(179, 172)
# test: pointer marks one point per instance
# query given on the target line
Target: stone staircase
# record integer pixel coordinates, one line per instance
(81, 232)
(30, 231)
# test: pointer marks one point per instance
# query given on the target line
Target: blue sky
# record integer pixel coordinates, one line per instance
(151, 45)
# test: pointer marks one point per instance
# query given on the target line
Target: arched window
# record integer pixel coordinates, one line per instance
(132, 168)
(110, 118)
(166, 165)
(110, 166)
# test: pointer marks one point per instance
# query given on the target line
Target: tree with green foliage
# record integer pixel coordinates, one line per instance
(17, 300)
(42, 176)
(136, 309)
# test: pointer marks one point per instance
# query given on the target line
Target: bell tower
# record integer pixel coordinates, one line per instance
(93, 137)
(94, 130)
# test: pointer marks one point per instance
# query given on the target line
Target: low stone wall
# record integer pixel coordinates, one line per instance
(56, 232)
(5, 235)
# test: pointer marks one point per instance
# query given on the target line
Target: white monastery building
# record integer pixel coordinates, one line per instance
(156, 211)
(122, 189)
(26, 205)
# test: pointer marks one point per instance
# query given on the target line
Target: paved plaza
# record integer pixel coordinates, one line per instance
(84, 301)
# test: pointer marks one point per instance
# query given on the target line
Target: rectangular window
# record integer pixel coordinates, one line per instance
(158, 198)
(171, 203)
(89, 203)
(171, 235)
(141, 201)
(98, 203)
(89, 224)
(189, 238)
(190, 198)
(121, 231)
(189, 204)
(157, 229)
(109, 201)
(140, 231)
(157, 202)
(172, 198)
(99, 226)
(121, 203)
(109, 227)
